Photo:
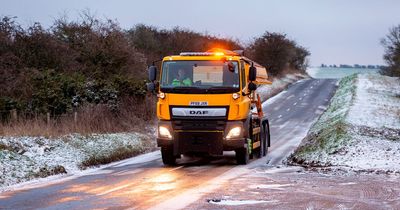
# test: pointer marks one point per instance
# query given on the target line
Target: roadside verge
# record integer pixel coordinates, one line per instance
(360, 130)
(26, 158)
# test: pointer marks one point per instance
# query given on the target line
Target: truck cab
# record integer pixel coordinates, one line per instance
(207, 104)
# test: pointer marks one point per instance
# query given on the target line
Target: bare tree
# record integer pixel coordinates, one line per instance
(391, 43)
(278, 53)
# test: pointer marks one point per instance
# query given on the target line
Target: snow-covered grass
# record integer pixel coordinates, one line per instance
(359, 130)
(27, 158)
(278, 84)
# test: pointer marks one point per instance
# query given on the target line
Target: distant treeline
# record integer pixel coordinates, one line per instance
(352, 66)
(93, 61)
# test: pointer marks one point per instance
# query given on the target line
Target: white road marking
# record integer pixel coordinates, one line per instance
(128, 172)
(240, 202)
(318, 112)
(191, 195)
(269, 186)
(115, 189)
(174, 169)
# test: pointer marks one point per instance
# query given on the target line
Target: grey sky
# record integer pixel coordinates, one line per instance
(335, 31)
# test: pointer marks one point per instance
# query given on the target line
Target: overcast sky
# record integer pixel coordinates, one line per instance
(335, 31)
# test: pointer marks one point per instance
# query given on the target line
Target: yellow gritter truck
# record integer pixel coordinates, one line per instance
(207, 104)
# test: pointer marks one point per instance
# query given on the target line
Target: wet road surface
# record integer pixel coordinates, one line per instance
(296, 188)
(143, 182)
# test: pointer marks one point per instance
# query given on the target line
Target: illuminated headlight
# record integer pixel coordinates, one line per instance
(235, 96)
(234, 132)
(164, 132)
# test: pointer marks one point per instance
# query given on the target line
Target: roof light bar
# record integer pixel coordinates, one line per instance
(196, 53)
(212, 52)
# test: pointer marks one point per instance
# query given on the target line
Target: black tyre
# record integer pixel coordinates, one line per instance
(261, 150)
(242, 156)
(167, 154)
(267, 138)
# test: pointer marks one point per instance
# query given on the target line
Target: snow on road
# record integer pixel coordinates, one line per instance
(239, 202)
(278, 85)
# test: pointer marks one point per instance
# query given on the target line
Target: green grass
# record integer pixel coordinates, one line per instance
(119, 153)
(330, 132)
(6, 147)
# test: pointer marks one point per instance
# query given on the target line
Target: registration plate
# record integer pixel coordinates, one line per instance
(198, 103)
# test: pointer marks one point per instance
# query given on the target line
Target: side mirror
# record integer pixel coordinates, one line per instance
(252, 73)
(252, 86)
(152, 73)
(151, 86)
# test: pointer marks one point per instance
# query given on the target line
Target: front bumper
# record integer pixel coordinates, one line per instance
(201, 136)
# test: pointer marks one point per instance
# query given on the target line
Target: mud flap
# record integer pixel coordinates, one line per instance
(250, 146)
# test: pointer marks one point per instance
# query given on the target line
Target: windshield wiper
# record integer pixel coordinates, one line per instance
(185, 87)
(220, 88)
(199, 89)
(180, 89)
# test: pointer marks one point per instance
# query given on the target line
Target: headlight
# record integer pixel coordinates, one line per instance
(164, 132)
(234, 132)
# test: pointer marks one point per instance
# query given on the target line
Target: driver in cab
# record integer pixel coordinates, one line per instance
(181, 79)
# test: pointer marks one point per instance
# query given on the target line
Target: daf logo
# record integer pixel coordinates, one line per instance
(194, 112)
(198, 112)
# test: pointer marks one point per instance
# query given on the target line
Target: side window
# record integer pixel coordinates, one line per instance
(243, 73)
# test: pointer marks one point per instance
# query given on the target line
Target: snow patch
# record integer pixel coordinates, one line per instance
(270, 186)
(27, 158)
(239, 202)
(278, 84)
(376, 103)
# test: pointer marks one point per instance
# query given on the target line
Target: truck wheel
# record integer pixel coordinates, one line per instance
(267, 138)
(167, 154)
(261, 150)
(242, 156)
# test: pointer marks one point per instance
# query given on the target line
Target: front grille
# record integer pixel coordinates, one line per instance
(198, 125)
(199, 112)
(204, 142)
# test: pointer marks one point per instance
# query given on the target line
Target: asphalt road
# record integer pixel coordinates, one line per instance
(143, 182)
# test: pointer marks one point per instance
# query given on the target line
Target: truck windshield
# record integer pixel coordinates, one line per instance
(200, 77)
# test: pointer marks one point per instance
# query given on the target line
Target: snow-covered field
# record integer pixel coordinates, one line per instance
(360, 129)
(27, 158)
